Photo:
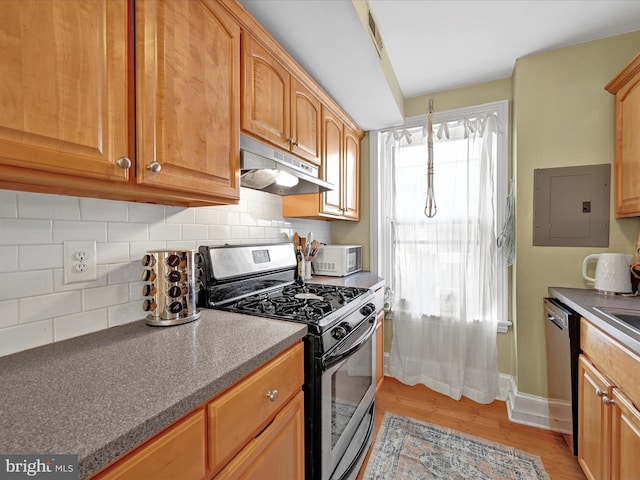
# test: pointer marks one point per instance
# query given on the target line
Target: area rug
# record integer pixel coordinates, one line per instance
(408, 449)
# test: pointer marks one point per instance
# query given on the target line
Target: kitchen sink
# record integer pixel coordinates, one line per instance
(627, 317)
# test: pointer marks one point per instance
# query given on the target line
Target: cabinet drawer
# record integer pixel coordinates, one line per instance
(179, 452)
(620, 364)
(238, 415)
(277, 452)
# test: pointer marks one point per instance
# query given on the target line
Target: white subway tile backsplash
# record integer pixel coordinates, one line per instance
(102, 297)
(8, 259)
(8, 204)
(23, 337)
(180, 215)
(24, 232)
(207, 216)
(44, 307)
(80, 324)
(8, 314)
(122, 232)
(125, 272)
(37, 205)
(93, 209)
(194, 232)
(219, 232)
(25, 284)
(146, 213)
(165, 231)
(36, 307)
(66, 230)
(116, 252)
(38, 257)
(125, 313)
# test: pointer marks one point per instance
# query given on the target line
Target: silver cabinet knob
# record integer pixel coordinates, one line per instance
(608, 401)
(124, 163)
(600, 392)
(154, 167)
(272, 395)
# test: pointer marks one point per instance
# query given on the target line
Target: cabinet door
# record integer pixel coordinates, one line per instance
(177, 453)
(351, 175)
(266, 95)
(332, 152)
(64, 87)
(305, 122)
(594, 421)
(625, 442)
(627, 164)
(278, 452)
(188, 110)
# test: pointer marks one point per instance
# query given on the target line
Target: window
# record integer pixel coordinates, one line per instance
(471, 203)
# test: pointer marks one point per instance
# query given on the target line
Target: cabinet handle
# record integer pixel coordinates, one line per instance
(273, 395)
(154, 167)
(292, 141)
(600, 392)
(124, 163)
(607, 401)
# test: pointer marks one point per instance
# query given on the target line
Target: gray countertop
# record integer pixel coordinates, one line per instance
(101, 394)
(585, 301)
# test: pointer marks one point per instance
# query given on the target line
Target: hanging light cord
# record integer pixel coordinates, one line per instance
(430, 208)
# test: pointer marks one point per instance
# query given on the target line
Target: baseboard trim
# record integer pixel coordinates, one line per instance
(527, 409)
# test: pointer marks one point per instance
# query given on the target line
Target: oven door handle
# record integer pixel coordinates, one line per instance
(337, 357)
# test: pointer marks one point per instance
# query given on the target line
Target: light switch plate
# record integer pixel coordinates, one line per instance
(80, 263)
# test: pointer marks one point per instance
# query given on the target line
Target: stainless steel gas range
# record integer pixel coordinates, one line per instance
(339, 386)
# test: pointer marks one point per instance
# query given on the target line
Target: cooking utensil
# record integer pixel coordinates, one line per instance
(309, 242)
(296, 240)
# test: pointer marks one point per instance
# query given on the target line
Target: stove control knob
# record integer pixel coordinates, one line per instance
(347, 326)
(339, 332)
(368, 309)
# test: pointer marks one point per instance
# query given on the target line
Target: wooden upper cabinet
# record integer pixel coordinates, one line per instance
(340, 167)
(266, 95)
(276, 106)
(63, 88)
(305, 122)
(626, 88)
(188, 108)
(351, 175)
(332, 154)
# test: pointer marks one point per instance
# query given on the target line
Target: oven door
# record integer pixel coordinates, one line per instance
(348, 389)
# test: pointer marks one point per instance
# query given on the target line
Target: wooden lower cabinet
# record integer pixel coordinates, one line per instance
(255, 429)
(273, 454)
(608, 414)
(179, 452)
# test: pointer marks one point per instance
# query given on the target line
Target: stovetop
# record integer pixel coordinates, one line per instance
(313, 304)
(260, 280)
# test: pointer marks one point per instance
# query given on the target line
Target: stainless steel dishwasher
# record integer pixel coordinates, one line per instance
(562, 332)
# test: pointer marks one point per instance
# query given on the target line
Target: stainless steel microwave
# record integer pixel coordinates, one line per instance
(338, 260)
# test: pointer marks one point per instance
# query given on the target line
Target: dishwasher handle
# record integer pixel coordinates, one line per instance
(556, 314)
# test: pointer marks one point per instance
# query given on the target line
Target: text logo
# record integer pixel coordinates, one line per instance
(44, 467)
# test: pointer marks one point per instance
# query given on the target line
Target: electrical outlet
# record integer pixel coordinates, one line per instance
(80, 261)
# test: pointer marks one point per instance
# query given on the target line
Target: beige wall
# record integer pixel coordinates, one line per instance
(562, 117)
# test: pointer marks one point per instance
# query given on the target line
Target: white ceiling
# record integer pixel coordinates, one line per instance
(433, 45)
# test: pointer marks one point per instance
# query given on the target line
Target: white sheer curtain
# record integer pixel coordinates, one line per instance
(445, 310)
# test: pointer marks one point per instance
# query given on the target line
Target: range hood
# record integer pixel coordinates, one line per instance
(269, 170)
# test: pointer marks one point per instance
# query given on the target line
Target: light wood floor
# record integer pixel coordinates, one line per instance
(486, 421)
